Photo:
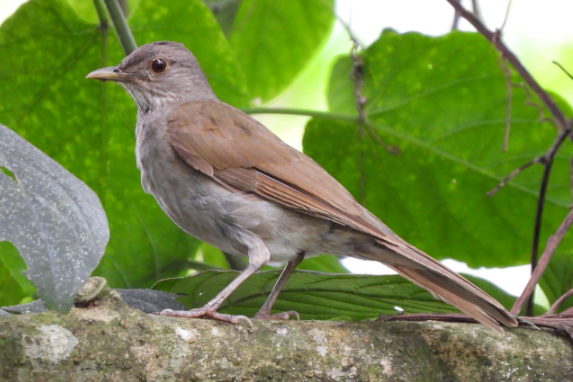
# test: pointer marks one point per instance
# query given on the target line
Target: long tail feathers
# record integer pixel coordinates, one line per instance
(431, 275)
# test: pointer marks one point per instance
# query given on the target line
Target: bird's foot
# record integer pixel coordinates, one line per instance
(206, 311)
(266, 315)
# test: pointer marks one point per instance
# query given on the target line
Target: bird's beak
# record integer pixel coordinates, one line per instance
(111, 73)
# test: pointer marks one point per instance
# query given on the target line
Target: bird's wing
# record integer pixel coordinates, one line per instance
(240, 153)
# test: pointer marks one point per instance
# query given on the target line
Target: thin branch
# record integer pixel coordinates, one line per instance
(514, 173)
(560, 301)
(123, 32)
(360, 102)
(552, 244)
(456, 22)
(571, 176)
(476, 10)
(558, 322)
(537, 233)
(563, 69)
(302, 112)
(509, 84)
(507, 105)
(547, 100)
(544, 159)
(565, 129)
(547, 160)
(506, 14)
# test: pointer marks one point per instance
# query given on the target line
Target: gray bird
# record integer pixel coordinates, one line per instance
(226, 179)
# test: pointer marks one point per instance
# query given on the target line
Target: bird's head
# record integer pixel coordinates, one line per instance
(158, 74)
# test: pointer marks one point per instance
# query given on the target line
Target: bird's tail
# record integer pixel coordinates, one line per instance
(431, 275)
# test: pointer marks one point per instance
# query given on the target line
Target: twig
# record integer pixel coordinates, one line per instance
(565, 130)
(475, 10)
(543, 159)
(549, 156)
(456, 22)
(560, 301)
(558, 322)
(552, 244)
(547, 100)
(358, 77)
(360, 100)
(514, 173)
(123, 32)
(563, 69)
(506, 15)
(536, 234)
(508, 86)
(571, 176)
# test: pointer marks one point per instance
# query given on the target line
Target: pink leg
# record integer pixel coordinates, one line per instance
(265, 312)
(210, 309)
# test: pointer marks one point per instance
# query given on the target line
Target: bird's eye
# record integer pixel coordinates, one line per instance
(159, 65)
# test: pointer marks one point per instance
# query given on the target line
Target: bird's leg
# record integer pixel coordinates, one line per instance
(210, 309)
(258, 256)
(265, 312)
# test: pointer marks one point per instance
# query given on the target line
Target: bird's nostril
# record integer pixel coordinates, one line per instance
(116, 70)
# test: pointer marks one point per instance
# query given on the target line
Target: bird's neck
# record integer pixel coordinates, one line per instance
(156, 98)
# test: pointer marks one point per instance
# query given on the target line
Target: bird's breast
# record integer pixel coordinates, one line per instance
(214, 214)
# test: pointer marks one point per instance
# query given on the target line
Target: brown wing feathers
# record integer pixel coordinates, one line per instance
(231, 147)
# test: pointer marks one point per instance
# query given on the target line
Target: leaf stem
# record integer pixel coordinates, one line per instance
(100, 9)
(303, 112)
(123, 32)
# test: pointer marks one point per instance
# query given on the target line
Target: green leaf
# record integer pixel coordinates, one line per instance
(442, 101)
(323, 263)
(87, 126)
(14, 286)
(274, 40)
(313, 295)
(213, 256)
(558, 279)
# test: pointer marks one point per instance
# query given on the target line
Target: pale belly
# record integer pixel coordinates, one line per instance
(213, 214)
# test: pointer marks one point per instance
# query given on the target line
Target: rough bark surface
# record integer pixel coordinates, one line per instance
(110, 341)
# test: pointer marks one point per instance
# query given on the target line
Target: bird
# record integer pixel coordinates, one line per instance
(227, 180)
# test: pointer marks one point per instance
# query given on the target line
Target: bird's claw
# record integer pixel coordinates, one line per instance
(262, 315)
(206, 312)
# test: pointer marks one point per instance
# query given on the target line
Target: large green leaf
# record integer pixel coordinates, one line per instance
(313, 295)
(442, 101)
(323, 263)
(274, 40)
(88, 126)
